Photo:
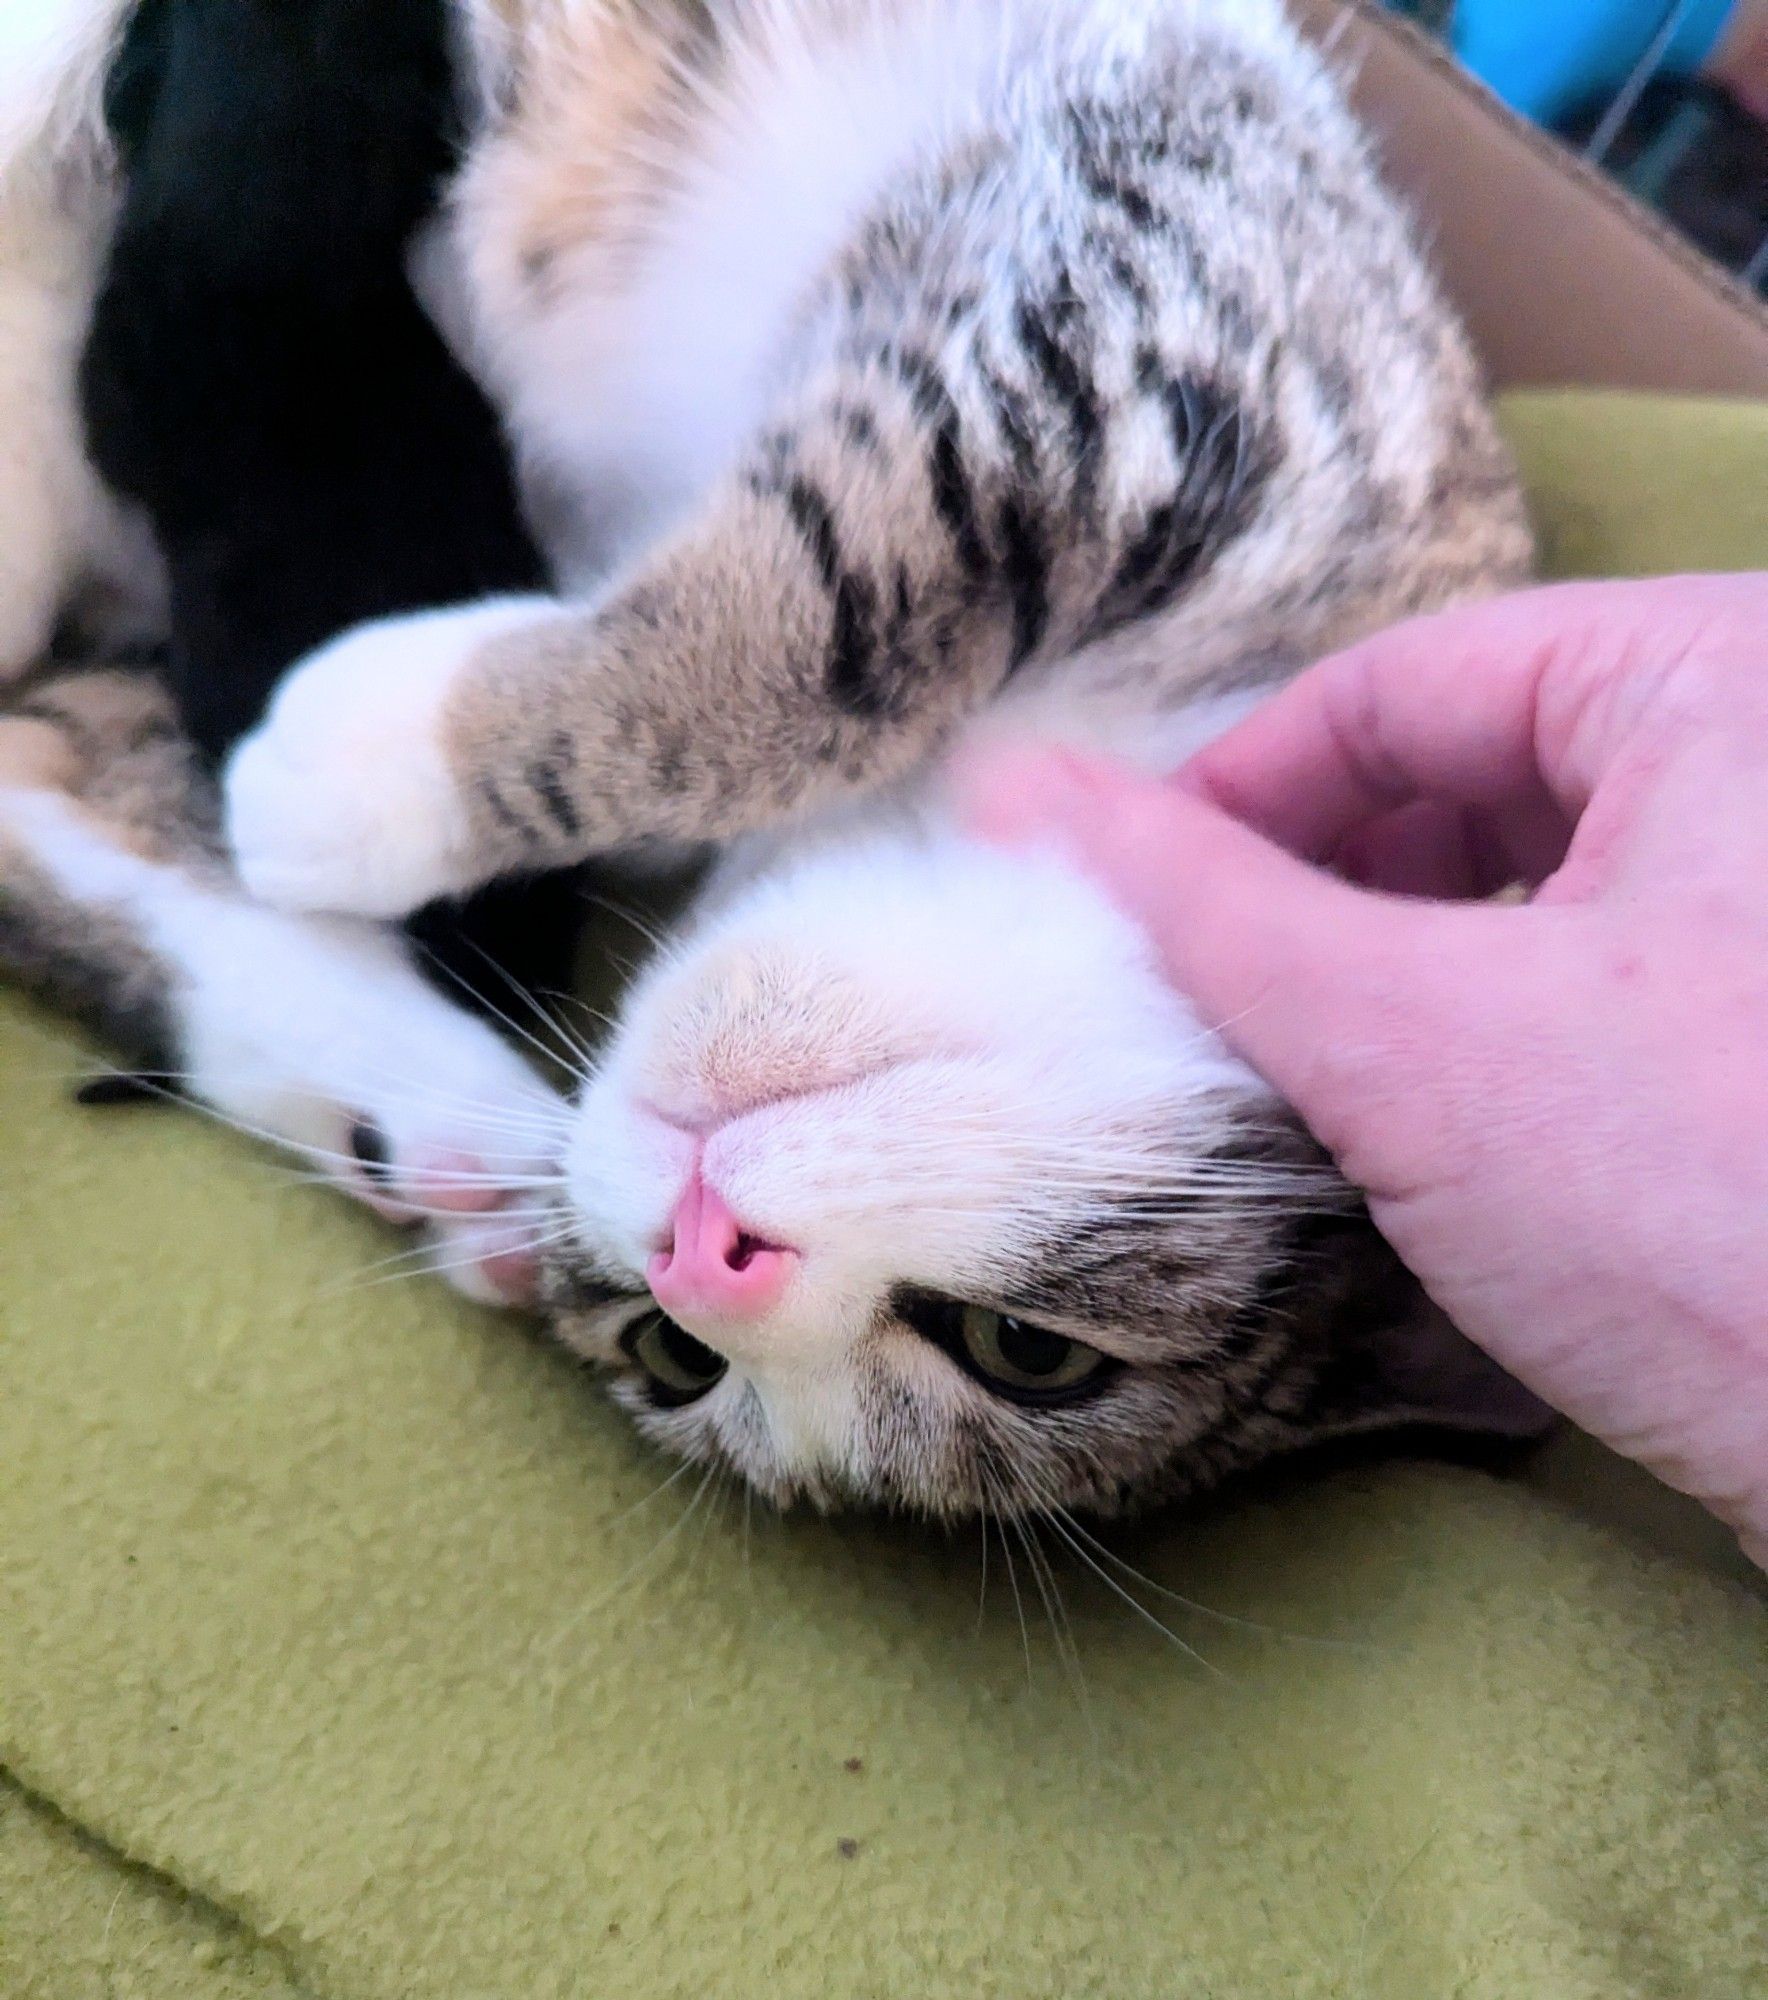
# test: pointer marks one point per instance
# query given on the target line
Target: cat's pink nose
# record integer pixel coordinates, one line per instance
(714, 1268)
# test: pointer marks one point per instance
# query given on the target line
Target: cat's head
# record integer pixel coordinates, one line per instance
(904, 1179)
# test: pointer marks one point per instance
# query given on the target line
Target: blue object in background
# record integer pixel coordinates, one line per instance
(1547, 57)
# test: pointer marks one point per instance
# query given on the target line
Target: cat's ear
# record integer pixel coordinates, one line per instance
(1423, 1370)
(1395, 1360)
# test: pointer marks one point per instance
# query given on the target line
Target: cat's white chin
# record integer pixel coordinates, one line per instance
(343, 798)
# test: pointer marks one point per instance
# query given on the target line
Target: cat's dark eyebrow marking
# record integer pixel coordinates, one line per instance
(1014, 421)
(1130, 281)
(858, 425)
(855, 647)
(814, 519)
(669, 756)
(1222, 460)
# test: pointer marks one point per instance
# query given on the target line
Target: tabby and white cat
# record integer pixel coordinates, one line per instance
(881, 370)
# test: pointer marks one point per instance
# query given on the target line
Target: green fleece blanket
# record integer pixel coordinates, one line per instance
(350, 1647)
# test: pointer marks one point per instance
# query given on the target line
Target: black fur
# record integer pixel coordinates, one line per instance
(260, 378)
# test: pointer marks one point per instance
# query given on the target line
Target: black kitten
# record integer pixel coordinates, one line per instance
(260, 378)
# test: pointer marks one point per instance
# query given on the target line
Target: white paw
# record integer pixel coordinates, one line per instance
(476, 1201)
(343, 797)
(318, 1035)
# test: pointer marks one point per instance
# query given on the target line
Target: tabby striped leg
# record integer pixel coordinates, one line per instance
(886, 555)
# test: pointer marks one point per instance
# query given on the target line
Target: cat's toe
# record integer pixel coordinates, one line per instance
(349, 820)
(477, 1211)
(492, 1257)
(343, 799)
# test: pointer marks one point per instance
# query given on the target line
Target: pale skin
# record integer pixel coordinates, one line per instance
(1558, 1109)
(1740, 62)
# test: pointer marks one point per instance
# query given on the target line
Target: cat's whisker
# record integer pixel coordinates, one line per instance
(419, 1259)
(981, 1499)
(1122, 1166)
(169, 1087)
(551, 1179)
(166, 1085)
(605, 1024)
(1018, 1597)
(411, 1262)
(584, 1054)
(1135, 1604)
(721, 1486)
(656, 1493)
(588, 1610)
(1061, 1629)
(1120, 1161)
(633, 917)
(599, 1015)
(551, 1056)
(542, 1116)
(545, 1002)
(1156, 1179)
(1114, 1161)
(264, 1135)
(1109, 1555)
(1001, 1517)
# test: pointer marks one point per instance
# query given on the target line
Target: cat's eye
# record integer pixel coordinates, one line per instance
(1016, 1358)
(1025, 1360)
(680, 1368)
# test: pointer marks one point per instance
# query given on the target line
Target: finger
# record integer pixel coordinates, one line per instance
(1341, 999)
(1515, 707)
(1435, 848)
(1428, 848)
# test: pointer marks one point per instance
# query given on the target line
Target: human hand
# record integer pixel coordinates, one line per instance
(1558, 1110)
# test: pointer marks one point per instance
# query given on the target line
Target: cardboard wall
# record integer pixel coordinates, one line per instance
(1561, 277)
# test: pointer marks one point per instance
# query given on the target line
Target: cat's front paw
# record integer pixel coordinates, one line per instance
(344, 797)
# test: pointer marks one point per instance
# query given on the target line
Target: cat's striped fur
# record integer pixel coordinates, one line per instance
(1121, 368)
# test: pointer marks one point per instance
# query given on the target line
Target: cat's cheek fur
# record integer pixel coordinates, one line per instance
(346, 798)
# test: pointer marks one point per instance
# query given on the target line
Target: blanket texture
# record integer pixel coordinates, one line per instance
(351, 1648)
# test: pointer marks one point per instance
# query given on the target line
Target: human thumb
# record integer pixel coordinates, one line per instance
(1342, 999)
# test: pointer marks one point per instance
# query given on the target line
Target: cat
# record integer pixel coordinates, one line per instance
(882, 372)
